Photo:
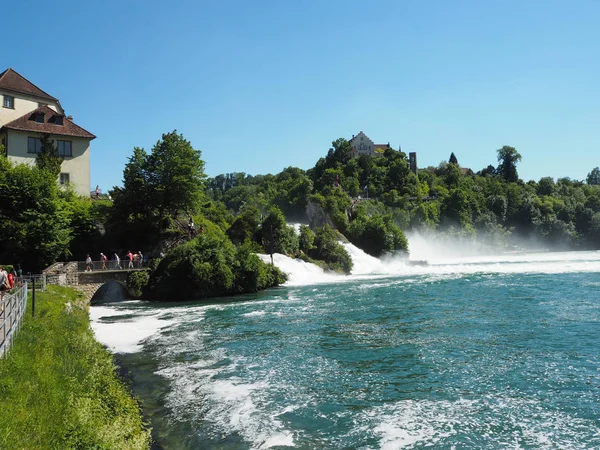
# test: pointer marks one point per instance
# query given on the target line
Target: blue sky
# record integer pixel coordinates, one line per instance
(259, 86)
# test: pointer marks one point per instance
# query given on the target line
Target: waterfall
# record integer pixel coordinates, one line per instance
(301, 272)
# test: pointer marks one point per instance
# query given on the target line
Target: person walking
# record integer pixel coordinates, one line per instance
(103, 260)
(130, 258)
(88, 263)
(3, 284)
(117, 261)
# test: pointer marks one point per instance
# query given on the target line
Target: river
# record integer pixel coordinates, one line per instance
(471, 351)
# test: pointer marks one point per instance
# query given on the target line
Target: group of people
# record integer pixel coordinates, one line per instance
(134, 260)
(8, 279)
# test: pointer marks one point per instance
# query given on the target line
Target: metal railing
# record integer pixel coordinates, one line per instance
(38, 279)
(82, 266)
(12, 310)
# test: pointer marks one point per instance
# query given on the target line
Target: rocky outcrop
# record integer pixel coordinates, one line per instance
(317, 217)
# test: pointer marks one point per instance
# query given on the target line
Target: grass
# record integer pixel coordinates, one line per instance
(59, 387)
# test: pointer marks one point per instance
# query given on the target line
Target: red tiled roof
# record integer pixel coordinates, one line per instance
(382, 146)
(28, 123)
(12, 81)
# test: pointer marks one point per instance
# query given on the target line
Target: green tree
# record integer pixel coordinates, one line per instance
(35, 221)
(245, 226)
(48, 157)
(207, 266)
(327, 248)
(545, 186)
(277, 236)
(175, 172)
(593, 178)
(508, 157)
(453, 159)
(156, 188)
(377, 235)
(306, 239)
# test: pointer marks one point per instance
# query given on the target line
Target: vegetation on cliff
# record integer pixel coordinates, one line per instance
(210, 265)
(373, 200)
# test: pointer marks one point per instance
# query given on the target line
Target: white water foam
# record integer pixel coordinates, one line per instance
(300, 272)
(128, 335)
(441, 265)
(231, 405)
(427, 423)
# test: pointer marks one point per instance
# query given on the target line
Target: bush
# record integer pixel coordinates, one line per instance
(377, 235)
(210, 266)
(277, 236)
(328, 249)
(306, 239)
(253, 274)
(137, 282)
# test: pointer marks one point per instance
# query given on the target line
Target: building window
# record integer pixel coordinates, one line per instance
(65, 148)
(64, 178)
(58, 120)
(9, 102)
(34, 145)
(39, 117)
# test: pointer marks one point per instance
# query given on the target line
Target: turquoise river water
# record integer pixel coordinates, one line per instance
(482, 353)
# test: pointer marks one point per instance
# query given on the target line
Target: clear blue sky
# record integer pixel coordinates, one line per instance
(259, 86)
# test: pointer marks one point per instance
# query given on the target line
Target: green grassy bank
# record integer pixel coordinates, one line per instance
(59, 388)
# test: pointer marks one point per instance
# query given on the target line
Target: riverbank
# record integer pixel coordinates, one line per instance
(60, 388)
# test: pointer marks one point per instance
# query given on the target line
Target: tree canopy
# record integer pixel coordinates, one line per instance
(508, 157)
(593, 178)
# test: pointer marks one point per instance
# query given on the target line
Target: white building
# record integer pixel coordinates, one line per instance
(27, 113)
(362, 145)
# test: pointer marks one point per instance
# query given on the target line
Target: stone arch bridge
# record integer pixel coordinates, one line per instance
(73, 274)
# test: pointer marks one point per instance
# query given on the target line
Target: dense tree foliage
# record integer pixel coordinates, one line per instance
(493, 206)
(48, 157)
(36, 227)
(276, 236)
(327, 248)
(370, 200)
(157, 187)
(210, 265)
(508, 157)
(593, 178)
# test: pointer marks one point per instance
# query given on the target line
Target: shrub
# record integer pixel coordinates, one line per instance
(377, 235)
(208, 266)
(328, 249)
(137, 282)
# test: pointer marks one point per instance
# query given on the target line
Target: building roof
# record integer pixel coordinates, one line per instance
(12, 81)
(359, 133)
(382, 146)
(50, 124)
